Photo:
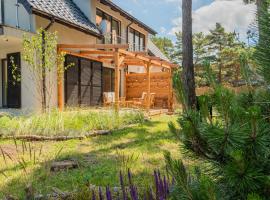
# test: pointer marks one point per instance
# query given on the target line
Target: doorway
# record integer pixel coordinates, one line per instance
(11, 81)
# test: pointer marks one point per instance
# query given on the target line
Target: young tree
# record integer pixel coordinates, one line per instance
(200, 45)
(40, 54)
(188, 67)
(177, 55)
(164, 44)
(219, 42)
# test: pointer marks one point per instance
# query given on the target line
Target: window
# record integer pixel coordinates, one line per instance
(131, 39)
(115, 32)
(108, 80)
(136, 40)
(109, 26)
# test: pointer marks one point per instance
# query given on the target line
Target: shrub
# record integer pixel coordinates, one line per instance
(236, 140)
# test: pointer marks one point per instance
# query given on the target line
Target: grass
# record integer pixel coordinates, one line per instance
(100, 159)
(73, 122)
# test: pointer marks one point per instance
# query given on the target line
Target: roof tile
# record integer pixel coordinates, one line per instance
(66, 10)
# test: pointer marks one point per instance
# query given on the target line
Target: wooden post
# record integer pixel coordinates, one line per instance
(148, 74)
(117, 80)
(170, 97)
(60, 72)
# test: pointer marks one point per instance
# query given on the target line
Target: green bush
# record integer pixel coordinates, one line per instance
(235, 141)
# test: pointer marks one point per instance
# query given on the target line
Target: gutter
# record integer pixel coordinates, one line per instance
(50, 24)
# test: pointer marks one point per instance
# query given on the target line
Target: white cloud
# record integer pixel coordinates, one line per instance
(163, 30)
(232, 14)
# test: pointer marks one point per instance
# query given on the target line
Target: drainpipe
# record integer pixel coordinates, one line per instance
(17, 14)
(43, 64)
(128, 29)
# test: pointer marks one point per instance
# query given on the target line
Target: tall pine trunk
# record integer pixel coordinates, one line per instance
(188, 66)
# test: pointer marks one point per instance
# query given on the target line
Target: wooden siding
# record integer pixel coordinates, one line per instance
(160, 84)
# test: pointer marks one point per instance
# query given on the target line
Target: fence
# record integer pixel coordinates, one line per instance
(161, 85)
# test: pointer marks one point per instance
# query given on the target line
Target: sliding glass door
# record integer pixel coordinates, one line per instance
(83, 82)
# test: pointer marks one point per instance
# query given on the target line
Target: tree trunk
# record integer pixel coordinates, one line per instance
(43, 102)
(188, 67)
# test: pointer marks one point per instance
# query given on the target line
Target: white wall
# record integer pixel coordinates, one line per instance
(29, 97)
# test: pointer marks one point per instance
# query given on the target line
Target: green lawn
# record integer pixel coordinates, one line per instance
(100, 159)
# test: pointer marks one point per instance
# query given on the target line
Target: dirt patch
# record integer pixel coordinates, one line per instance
(10, 149)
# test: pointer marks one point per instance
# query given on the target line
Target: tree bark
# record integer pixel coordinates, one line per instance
(188, 66)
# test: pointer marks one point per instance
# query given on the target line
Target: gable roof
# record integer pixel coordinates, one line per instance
(127, 15)
(63, 11)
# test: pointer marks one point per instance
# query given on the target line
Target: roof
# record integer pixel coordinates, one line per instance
(127, 15)
(65, 11)
(156, 51)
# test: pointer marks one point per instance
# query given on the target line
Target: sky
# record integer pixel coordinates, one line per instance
(165, 16)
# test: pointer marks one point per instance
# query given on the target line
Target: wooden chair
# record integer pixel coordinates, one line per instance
(142, 102)
(108, 98)
(152, 99)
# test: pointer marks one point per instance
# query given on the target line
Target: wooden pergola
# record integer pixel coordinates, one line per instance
(113, 54)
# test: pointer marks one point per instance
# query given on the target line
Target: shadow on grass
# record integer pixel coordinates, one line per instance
(99, 163)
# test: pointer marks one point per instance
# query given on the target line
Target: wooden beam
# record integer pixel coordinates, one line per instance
(106, 57)
(121, 59)
(97, 52)
(117, 80)
(83, 56)
(133, 63)
(93, 46)
(145, 58)
(60, 72)
(148, 72)
(170, 97)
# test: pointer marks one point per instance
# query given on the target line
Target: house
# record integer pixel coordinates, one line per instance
(94, 26)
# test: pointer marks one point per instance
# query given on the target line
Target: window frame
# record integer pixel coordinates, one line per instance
(135, 32)
(98, 10)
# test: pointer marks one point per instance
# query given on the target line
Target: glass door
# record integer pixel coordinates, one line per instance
(13, 80)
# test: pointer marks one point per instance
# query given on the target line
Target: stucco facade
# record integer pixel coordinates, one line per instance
(15, 26)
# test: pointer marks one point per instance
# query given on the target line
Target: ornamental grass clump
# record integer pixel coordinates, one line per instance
(72, 122)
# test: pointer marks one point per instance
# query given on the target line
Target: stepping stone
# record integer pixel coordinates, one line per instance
(64, 165)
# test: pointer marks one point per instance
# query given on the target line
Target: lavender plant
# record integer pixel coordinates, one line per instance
(129, 191)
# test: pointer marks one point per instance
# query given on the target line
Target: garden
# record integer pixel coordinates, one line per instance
(99, 160)
(214, 147)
